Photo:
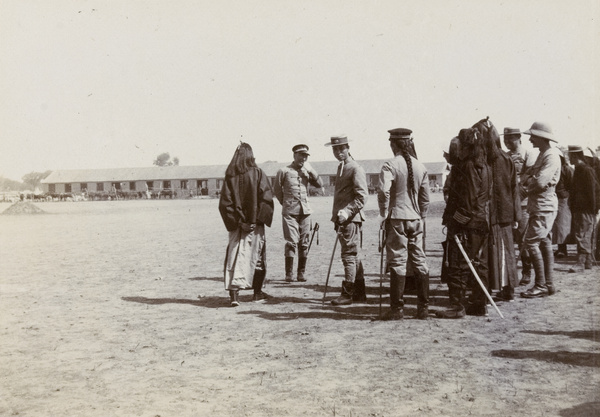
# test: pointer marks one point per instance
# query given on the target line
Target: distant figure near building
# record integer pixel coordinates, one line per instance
(246, 207)
(291, 189)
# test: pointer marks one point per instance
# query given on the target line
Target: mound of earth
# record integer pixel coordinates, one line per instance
(23, 207)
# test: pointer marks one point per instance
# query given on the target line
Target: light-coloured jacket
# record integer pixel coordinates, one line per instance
(541, 185)
(291, 189)
(395, 201)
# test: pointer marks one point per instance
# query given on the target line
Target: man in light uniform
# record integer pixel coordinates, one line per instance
(291, 189)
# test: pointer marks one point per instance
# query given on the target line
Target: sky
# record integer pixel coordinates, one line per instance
(115, 83)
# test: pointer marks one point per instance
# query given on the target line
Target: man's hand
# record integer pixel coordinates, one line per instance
(248, 227)
(343, 216)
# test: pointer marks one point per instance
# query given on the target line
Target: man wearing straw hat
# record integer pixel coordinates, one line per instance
(542, 206)
(349, 198)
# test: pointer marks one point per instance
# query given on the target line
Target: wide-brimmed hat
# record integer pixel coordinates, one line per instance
(541, 130)
(301, 149)
(400, 133)
(511, 131)
(575, 148)
(337, 141)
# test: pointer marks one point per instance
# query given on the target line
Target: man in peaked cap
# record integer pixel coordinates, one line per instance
(542, 206)
(524, 158)
(348, 201)
(583, 203)
(291, 189)
(403, 198)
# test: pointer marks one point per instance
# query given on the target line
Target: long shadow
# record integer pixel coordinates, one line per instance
(208, 302)
(590, 409)
(593, 335)
(217, 279)
(569, 358)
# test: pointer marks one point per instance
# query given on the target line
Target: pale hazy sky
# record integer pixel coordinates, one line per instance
(114, 83)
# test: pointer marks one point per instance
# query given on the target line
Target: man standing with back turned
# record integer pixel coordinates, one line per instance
(291, 189)
(348, 201)
(403, 198)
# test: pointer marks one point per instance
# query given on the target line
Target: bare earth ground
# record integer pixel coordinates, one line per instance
(118, 309)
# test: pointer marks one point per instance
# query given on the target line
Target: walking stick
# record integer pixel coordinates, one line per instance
(315, 230)
(382, 242)
(462, 250)
(337, 237)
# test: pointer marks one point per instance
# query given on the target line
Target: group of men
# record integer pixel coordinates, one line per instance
(403, 197)
(491, 195)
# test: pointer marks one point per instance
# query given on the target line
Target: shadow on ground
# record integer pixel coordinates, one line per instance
(593, 335)
(591, 409)
(569, 358)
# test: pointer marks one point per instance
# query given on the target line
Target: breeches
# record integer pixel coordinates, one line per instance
(404, 246)
(296, 232)
(539, 228)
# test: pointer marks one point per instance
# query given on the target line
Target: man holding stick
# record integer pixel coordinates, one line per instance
(403, 198)
(351, 192)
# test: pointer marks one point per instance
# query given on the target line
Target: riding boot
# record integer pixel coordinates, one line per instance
(539, 289)
(289, 268)
(233, 298)
(457, 304)
(360, 294)
(422, 296)
(397, 283)
(561, 251)
(580, 265)
(346, 297)
(548, 257)
(301, 268)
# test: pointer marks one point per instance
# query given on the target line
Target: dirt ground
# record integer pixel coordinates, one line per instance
(118, 309)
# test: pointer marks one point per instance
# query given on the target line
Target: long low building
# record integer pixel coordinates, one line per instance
(205, 180)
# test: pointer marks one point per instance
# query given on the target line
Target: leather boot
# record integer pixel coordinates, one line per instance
(422, 296)
(346, 297)
(257, 284)
(301, 269)
(526, 262)
(360, 294)
(456, 309)
(397, 283)
(548, 257)
(580, 265)
(589, 262)
(289, 268)
(561, 251)
(233, 298)
(539, 289)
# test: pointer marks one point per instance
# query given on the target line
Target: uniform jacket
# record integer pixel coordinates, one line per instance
(350, 191)
(524, 160)
(291, 189)
(505, 207)
(541, 185)
(246, 198)
(393, 196)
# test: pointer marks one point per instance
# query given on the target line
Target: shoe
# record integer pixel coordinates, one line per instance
(551, 289)
(503, 296)
(476, 310)
(260, 297)
(233, 297)
(454, 312)
(535, 292)
(588, 261)
(559, 254)
(422, 312)
(393, 314)
(342, 300)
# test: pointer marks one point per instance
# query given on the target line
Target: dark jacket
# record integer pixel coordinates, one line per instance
(505, 207)
(246, 198)
(582, 198)
(351, 191)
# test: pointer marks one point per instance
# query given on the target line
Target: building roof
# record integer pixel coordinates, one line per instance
(177, 172)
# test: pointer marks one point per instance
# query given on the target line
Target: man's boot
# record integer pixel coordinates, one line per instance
(539, 289)
(397, 283)
(548, 257)
(257, 284)
(457, 302)
(561, 251)
(346, 297)
(289, 268)
(233, 298)
(580, 265)
(526, 263)
(422, 296)
(589, 262)
(301, 269)
(360, 294)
